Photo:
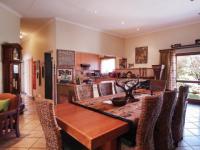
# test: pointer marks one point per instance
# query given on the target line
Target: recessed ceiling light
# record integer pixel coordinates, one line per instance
(22, 35)
(95, 11)
(122, 22)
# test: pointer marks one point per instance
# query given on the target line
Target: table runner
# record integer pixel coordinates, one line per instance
(129, 112)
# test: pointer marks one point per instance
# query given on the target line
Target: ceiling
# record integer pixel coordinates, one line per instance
(124, 18)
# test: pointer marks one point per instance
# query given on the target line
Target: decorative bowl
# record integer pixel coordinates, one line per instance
(119, 101)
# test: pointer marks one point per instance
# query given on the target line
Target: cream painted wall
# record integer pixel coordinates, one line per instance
(9, 31)
(41, 41)
(161, 40)
(74, 37)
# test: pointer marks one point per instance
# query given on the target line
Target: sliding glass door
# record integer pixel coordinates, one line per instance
(188, 72)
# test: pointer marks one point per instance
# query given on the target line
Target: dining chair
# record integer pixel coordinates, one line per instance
(157, 85)
(56, 139)
(178, 120)
(105, 88)
(9, 119)
(84, 91)
(150, 110)
(163, 135)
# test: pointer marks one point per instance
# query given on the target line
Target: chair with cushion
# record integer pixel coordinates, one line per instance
(150, 110)
(55, 138)
(163, 135)
(178, 120)
(157, 85)
(9, 114)
(105, 88)
(84, 91)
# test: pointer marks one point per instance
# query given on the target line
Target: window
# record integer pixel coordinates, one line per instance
(188, 72)
(107, 65)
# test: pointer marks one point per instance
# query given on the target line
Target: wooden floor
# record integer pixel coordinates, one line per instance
(32, 137)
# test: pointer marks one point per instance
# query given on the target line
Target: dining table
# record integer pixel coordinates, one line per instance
(97, 123)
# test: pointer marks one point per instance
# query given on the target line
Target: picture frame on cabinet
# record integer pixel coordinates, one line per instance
(65, 75)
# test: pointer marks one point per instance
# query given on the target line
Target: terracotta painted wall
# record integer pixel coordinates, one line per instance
(161, 40)
(9, 31)
(87, 58)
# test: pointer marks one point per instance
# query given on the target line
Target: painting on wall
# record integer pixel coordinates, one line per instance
(65, 58)
(122, 63)
(65, 75)
(141, 55)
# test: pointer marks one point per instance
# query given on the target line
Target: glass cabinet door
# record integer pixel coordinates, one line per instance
(15, 78)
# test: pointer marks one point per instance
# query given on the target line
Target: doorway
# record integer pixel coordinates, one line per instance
(27, 76)
(48, 75)
(188, 72)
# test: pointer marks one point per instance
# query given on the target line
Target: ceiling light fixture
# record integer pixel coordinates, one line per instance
(122, 22)
(22, 34)
(95, 12)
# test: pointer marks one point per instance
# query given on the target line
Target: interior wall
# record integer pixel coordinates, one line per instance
(27, 76)
(9, 31)
(74, 37)
(34, 46)
(161, 40)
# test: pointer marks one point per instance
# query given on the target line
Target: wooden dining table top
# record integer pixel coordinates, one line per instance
(90, 128)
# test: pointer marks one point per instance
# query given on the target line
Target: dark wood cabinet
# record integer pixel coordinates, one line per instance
(65, 92)
(11, 59)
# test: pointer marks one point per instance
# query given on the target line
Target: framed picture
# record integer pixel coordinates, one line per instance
(130, 65)
(65, 75)
(141, 55)
(65, 58)
(122, 63)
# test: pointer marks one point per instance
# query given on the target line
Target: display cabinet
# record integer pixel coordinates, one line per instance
(11, 59)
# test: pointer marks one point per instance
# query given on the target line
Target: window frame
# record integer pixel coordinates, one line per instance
(196, 101)
(104, 58)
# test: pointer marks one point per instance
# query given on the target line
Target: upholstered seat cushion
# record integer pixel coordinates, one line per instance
(13, 100)
(4, 104)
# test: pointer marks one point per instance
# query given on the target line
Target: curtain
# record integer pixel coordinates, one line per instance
(168, 58)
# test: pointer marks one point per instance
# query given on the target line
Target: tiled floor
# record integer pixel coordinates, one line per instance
(32, 137)
(191, 140)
